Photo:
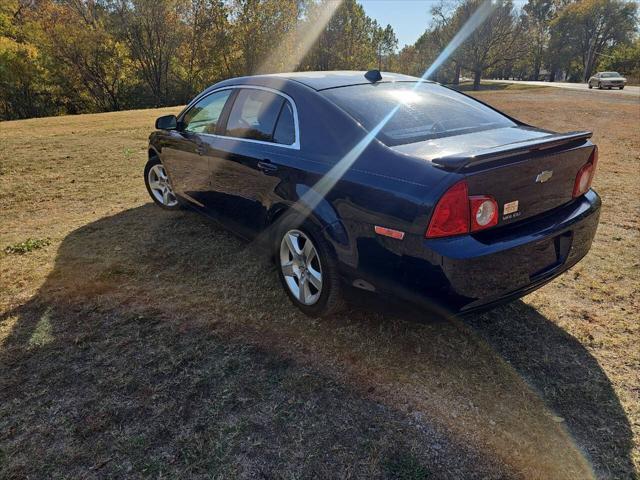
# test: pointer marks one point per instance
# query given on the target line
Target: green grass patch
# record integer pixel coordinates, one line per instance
(29, 245)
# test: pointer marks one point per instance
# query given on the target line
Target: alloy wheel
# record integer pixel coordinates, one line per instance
(301, 267)
(160, 186)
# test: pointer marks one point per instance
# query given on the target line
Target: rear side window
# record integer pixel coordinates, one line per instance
(254, 115)
(285, 132)
(422, 111)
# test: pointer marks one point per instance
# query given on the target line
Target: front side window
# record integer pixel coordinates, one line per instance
(254, 115)
(408, 112)
(203, 116)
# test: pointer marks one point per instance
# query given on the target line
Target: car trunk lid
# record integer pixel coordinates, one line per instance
(532, 173)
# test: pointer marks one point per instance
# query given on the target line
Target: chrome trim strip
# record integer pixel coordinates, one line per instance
(295, 145)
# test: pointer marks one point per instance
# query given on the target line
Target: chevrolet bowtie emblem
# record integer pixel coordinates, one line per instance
(544, 176)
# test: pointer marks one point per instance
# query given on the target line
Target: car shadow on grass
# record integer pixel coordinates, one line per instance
(137, 357)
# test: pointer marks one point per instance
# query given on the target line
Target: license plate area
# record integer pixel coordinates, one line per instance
(553, 253)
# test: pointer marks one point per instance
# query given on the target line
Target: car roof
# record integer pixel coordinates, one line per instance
(323, 80)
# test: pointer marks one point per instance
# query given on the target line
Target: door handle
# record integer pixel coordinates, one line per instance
(267, 167)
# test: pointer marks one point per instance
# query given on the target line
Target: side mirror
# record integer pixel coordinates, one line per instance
(167, 122)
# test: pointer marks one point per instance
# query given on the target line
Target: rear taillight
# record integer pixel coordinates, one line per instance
(451, 215)
(456, 213)
(585, 175)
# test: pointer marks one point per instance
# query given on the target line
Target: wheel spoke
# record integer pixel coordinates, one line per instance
(302, 286)
(306, 292)
(315, 278)
(292, 243)
(310, 256)
(308, 250)
(155, 185)
(165, 196)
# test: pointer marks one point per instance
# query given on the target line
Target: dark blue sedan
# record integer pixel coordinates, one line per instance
(381, 182)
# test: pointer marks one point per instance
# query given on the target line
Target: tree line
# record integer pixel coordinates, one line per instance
(545, 40)
(74, 56)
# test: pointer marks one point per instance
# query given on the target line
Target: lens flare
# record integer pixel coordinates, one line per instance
(299, 41)
(477, 19)
(310, 200)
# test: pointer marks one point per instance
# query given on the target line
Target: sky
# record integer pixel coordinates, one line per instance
(409, 18)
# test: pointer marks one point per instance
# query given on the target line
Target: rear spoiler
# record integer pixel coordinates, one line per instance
(479, 157)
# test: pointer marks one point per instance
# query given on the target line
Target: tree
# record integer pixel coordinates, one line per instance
(261, 27)
(206, 47)
(87, 54)
(347, 42)
(25, 86)
(584, 29)
(385, 42)
(495, 42)
(537, 25)
(445, 25)
(152, 31)
(624, 58)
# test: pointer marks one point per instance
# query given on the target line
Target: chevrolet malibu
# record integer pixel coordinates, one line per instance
(381, 182)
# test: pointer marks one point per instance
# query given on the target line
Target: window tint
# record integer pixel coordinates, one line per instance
(254, 114)
(203, 116)
(285, 132)
(422, 111)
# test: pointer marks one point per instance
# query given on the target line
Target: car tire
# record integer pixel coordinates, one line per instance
(294, 234)
(599, 86)
(621, 88)
(590, 86)
(608, 88)
(159, 186)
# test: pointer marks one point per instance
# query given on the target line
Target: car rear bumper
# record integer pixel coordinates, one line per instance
(473, 272)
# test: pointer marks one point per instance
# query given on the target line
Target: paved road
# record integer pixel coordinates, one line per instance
(574, 86)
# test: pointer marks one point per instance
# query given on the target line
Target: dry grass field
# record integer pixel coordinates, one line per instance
(136, 342)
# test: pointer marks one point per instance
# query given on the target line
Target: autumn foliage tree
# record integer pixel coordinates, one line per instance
(72, 56)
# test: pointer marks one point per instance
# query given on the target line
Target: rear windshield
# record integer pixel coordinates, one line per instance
(425, 111)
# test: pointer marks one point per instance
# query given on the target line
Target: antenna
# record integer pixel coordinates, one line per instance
(373, 76)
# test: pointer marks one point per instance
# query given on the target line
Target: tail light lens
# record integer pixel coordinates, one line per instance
(456, 213)
(451, 215)
(585, 175)
(484, 212)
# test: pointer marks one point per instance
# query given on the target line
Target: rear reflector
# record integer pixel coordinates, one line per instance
(389, 232)
(451, 214)
(484, 212)
(585, 175)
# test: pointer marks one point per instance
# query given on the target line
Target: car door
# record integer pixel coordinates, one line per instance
(260, 132)
(187, 154)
